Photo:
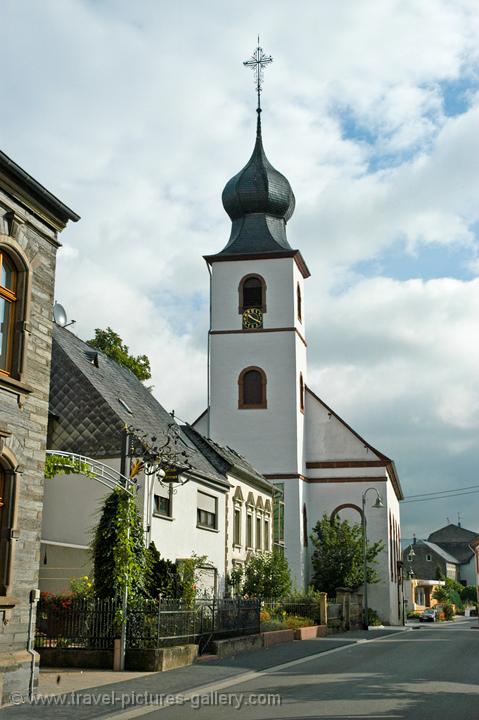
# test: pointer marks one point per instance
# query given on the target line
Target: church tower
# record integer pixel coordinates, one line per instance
(257, 345)
(259, 402)
(257, 333)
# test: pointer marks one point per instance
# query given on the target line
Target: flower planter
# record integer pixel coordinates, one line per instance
(310, 632)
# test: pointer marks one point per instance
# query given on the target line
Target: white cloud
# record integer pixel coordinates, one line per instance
(136, 114)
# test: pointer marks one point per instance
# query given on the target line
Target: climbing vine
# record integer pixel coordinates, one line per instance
(61, 465)
(118, 548)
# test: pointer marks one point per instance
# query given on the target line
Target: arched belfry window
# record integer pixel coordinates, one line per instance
(299, 302)
(252, 389)
(8, 302)
(252, 293)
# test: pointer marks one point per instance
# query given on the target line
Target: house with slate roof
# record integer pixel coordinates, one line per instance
(457, 540)
(430, 561)
(447, 551)
(92, 398)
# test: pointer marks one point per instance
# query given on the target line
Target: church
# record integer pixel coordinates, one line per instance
(259, 401)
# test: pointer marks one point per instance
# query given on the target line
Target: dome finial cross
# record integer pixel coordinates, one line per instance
(258, 61)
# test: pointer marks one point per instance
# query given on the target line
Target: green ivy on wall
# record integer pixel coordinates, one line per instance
(61, 465)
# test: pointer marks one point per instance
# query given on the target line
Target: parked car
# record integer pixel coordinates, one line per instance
(429, 615)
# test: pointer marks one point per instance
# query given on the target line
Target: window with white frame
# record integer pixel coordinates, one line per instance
(162, 500)
(207, 511)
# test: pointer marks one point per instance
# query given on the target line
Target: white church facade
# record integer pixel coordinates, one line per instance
(259, 401)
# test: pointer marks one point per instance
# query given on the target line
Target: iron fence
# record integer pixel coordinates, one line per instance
(76, 623)
(94, 624)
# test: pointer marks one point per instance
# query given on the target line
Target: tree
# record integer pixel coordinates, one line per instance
(469, 595)
(118, 556)
(450, 593)
(338, 555)
(161, 576)
(265, 575)
(110, 343)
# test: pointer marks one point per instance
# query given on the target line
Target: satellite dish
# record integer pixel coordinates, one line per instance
(59, 315)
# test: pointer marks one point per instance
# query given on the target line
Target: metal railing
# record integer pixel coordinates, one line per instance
(94, 624)
(104, 474)
(75, 623)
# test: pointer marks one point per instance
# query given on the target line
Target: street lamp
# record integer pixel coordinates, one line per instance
(377, 504)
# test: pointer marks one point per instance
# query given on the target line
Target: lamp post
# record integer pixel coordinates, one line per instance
(377, 504)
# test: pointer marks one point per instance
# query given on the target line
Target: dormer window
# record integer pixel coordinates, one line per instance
(252, 293)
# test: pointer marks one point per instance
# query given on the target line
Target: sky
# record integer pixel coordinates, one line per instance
(136, 115)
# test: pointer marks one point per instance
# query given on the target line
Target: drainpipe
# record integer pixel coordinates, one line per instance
(125, 470)
(34, 598)
(208, 434)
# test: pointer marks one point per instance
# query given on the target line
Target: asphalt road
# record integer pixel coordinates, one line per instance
(431, 672)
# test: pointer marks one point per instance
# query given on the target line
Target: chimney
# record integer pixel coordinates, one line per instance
(414, 538)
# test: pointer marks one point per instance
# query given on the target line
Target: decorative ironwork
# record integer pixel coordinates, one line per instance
(258, 61)
(166, 455)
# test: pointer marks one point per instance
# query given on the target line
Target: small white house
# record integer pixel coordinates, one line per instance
(249, 503)
(92, 398)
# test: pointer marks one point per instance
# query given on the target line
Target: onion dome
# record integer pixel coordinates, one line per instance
(259, 201)
(258, 188)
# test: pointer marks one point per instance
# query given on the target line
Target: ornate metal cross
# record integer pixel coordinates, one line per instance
(258, 61)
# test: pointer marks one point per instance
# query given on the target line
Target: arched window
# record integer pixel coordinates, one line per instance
(8, 301)
(252, 293)
(301, 392)
(299, 303)
(252, 389)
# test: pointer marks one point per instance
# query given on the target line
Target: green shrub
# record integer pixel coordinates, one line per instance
(373, 618)
(293, 622)
(448, 611)
(273, 624)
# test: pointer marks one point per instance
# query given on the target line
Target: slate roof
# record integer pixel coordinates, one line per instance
(455, 540)
(225, 459)
(259, 201)
(440, 551)
(92, 398)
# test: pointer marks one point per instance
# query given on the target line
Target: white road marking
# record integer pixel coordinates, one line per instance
(135, 712)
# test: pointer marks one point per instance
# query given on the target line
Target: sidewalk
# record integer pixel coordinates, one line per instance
(67, 680)
(53, 681)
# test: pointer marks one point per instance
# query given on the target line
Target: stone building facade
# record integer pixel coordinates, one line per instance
(30, 220)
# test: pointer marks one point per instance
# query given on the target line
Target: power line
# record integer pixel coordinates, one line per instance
(441, 492)
(440, 497)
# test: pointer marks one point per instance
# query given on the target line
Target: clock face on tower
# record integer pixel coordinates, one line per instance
(252, 318)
